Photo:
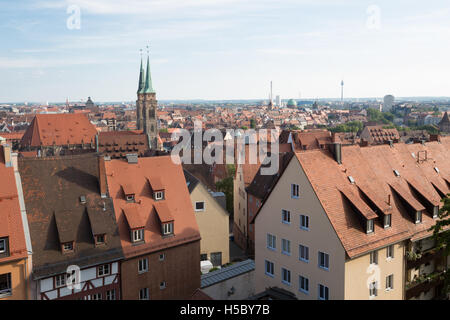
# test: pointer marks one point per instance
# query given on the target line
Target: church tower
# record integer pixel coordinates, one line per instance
(149, 106)
(140, 100)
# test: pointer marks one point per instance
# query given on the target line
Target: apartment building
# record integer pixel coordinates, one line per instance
(14, 263)
(73, 229)
(158, 231)
(351, 222)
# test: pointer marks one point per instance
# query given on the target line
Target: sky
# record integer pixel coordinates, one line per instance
(223, 49)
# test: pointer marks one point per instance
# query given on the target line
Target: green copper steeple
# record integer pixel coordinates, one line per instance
(148, 79)
(141, 79)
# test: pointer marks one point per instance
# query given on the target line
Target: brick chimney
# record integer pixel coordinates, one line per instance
(6, 154)
(102, 176)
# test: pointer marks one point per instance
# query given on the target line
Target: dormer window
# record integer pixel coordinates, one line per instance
(418, 217)
(3, 246)
(369, 226)
(350, 178)
(435, 212)
(387, 221)
(67, 247)
(167, 228)
(130, 197)
(158, 195)
(137, 235)
(82, 199)
(397, 174)
(100, 239)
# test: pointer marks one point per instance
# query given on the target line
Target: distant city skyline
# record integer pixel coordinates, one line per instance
(223, 49)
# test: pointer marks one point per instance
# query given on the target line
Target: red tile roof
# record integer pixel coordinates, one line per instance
(176, 203)
(59, 129)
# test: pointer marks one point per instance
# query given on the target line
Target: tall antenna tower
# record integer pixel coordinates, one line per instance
(342, 91)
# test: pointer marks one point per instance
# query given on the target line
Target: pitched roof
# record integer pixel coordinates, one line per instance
(52, 189)
(176, 203)
(59, 129)
(11, 225)
(117, 144)
(226, 273)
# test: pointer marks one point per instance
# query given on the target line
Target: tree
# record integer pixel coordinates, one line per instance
(226, 186)
(252, 123)
(441, 233)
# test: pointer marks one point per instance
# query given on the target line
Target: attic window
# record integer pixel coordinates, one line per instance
(387, 221)
(82, 199)
(350, 178)
(130, 197)
(369, 227)
(418, 217)
(436, 169)
(158, 195)
(167, 228)
(100, 239)
(137, 235)
(435, 212)
(397, 174)
(67, 247)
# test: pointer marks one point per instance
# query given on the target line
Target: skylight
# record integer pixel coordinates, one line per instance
(397, 174)
(436, 169)
(350, 178)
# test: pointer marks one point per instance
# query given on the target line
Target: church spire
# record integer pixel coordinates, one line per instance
(148, 77)
(141, 78)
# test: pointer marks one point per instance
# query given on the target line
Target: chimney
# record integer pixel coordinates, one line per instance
(6, 150)
(102, 177)
(338, 152)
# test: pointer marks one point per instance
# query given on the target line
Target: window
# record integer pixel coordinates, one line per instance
(390, 282)
(286, 216)
(130, 197)
(286, 247)
(369, 226)
(419, 217)
(5, 285)
(373, 289)
(387, 221)
(203, 257)
(323, 292)
(159, 195)
(111, 294)
(324, 260)
(271, 241)
(374, 257)
(162, 257)
(303, 284)
(295, 191)
(67, 247)
(351, 179)
(143, 294)
(100, 239)
(104, 270)
(167, 228)
(143, 265)
(435, 211)
(60, 280)
(390, 252)
(200, 206)
(2, 246)
(285, 276)
(269, 268)
(304, 222)
(96, 296)
(303, 253)
(162, 285)
(397, 174)
(138, 235)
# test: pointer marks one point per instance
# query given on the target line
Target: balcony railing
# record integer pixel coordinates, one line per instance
(415, 259)
(424, 283)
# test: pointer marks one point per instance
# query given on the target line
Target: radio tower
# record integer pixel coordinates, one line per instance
(342, 91)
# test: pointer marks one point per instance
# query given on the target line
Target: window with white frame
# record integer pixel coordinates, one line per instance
(111, 294)
(390, 282)
(374, 257)
(167, 228)
(143, 294)
(200, 206)
(286, 247)
(269, 268)
(67, 246)
(419, 217)
(130, 197)
(295, 191)
(324, 293)
(5, 285)
(324, 260)
(137, 235)
(285, 216)
(373, 292)
(96, 296)
(387, 220)
(60, 280)
(369, 228)
(162, 257)
(271, 241)
(104, 270)
(390, 252)
(143, 265)
(303, 253)
(303, 284)
(158, 195)
(286, 276)
(304, 222)
(2, 246)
